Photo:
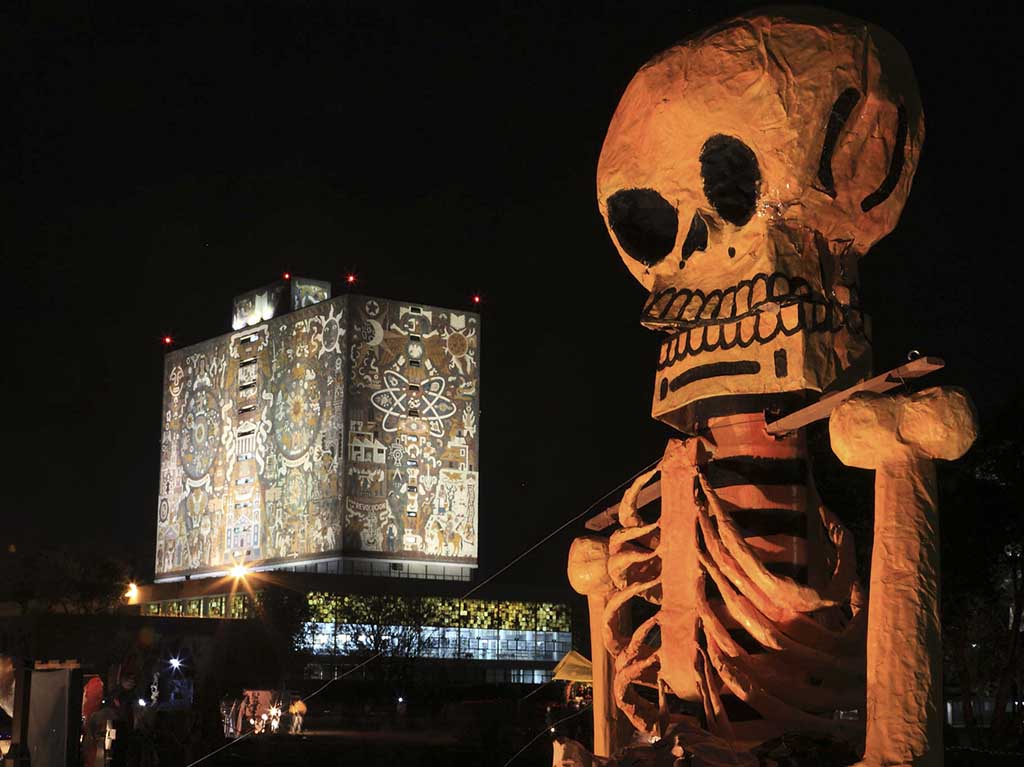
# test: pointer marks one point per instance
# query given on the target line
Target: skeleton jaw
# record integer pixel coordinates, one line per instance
(768, 335)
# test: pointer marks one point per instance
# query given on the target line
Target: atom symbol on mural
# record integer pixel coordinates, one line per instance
(395, 400)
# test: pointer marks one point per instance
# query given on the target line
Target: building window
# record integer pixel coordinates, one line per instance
(215, 607)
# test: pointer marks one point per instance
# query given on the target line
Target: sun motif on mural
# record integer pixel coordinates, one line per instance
(297, 408)
(331, 332)
(397, 400)
(200, 435)
(460, 344)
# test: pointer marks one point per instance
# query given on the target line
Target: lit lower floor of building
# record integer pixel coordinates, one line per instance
(438, 671)
(464, 640)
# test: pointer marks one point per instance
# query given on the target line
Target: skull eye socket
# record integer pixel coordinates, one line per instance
(644, 222)
(731, 178)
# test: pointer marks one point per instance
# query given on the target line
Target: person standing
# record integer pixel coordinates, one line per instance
(298, 710)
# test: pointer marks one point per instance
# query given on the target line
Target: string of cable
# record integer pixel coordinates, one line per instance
(520, 557)
(549, 728)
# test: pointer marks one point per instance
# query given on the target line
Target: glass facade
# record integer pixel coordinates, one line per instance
(202, 607)
(439, 611)
(384, 569)
(419, 627)
(438, 642)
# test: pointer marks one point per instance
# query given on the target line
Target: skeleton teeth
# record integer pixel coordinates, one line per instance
(729, 334)
(748, 326)
(759, 290)
(742, 298)
(673, 348)
(711, 305)
(694, 340)
(677, 303)
(728, 305)
(767, 324)
(779, 286)
(790, 316)
(693, 306)
(712, 335)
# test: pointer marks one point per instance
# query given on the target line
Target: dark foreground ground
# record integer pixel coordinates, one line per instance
(334, 748)
(417, 749)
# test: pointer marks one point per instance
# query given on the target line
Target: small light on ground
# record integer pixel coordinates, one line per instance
(142, 702)
(175, 663)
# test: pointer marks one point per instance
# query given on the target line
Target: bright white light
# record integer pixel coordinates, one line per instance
(552, 729)
(263, 717)
(401, 699)
(142, 702)
(175, 663)
(239, 571)
(132, 593)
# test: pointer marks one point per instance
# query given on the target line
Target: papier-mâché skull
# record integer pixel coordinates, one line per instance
(744, 173)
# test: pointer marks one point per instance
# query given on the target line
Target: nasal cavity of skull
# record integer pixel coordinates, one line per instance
(644, 223)
(696, 239)
(732, 178)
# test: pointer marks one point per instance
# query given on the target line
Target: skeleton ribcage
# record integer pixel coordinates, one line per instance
(753, 599)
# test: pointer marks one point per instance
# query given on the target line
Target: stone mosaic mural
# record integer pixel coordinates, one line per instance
(348, 425)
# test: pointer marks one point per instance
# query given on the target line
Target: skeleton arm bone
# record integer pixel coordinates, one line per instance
(900, 437)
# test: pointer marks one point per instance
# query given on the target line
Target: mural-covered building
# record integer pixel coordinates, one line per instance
(334, 434)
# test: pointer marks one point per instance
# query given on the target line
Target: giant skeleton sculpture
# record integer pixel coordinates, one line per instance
(744, 174)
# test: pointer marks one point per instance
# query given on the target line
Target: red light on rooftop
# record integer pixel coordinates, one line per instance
(168, 340)
(351, 279)
(476, 299)
(287, 275)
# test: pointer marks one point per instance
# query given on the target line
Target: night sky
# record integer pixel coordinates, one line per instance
(166, 156)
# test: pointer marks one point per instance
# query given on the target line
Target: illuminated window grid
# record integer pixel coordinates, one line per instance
(442, 611)
(216, 606)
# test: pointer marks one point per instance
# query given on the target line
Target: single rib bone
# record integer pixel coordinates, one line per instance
(628, 516)
(770, 707)
(793, 623)
(641, 713)
(619, 602)
(780, 588)
(759, 627)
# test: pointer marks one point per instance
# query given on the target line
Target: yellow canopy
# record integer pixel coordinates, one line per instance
(574, 668)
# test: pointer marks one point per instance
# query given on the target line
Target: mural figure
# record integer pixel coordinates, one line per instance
(744, 174)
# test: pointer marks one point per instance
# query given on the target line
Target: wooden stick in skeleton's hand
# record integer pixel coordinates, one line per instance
(900, 437)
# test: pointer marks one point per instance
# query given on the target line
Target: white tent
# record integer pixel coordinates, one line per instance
(574, 668)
